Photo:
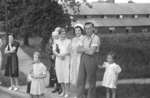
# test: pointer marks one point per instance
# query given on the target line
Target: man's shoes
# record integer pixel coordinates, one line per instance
(61, 94)
(59, 91)
(55, 90)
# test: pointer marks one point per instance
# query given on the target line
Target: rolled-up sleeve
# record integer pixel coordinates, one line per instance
(95, 41)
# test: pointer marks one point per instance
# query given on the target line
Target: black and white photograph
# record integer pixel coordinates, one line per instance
(74, 48)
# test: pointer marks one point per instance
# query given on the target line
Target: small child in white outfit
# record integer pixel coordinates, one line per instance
(110, 77)
(38, 76)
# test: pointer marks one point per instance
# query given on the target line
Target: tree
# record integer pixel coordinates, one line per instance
(130, 1)
(38, 17)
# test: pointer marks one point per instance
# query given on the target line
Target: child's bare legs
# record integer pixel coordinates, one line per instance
(66, 90)
(107, 93)
(63, 89)
(16, 82)
(113, 93)
(11, 83)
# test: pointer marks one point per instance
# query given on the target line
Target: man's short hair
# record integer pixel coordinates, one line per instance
(89, 23)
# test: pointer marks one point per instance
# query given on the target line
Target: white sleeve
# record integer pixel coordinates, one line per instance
(105, 64)
(96, 41)
(44, 69)
(1, 42)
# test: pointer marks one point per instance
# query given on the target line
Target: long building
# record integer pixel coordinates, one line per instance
(115, 17)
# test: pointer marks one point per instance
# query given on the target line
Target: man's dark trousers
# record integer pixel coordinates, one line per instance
(87, 73)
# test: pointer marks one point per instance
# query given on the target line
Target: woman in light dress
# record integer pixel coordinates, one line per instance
(75, 55)
(110, 77)
(38, 75)
(1, 43)
(61, 51)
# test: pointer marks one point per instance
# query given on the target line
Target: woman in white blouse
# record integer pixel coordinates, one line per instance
(1, 43)
(61, 50)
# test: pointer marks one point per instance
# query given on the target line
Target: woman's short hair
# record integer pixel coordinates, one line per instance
(113, 54)
(62, 30)
(11, 34)
(89, 23)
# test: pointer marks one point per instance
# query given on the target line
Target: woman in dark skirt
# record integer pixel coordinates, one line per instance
(11, 65)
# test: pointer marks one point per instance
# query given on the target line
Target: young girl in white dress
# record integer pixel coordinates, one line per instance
(110, 77)
(38, 76)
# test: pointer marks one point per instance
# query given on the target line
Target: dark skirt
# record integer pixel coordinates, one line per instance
(11, 65)
(28, 87)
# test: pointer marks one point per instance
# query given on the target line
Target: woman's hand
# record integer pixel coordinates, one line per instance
(62, 56)
(53, 57)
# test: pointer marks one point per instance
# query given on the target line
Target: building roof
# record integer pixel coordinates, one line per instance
(117, 22)
(114, 8)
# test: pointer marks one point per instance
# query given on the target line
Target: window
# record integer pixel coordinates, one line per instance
(101, 16)
(89, 16)
(85, 16)
(148, 16)
(105, 17)
(144, 30)
(120, 16)
(135, 16)
(111, 29)
(128, 29)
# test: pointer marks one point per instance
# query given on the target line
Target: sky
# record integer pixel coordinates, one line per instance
(125, 1)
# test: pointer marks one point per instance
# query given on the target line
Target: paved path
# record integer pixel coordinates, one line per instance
(5, 93)
(25, 62)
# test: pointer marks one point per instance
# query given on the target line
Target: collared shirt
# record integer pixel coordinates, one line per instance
(93, 41)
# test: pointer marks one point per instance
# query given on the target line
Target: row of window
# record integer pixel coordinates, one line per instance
(127, 29)
(115, 16)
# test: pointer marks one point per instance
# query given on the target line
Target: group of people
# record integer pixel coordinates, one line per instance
(73, 63)
(76, 60)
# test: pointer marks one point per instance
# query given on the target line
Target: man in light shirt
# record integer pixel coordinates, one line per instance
(88, 64)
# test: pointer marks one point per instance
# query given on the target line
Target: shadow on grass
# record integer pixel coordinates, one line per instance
(127, 91)
(6, 81)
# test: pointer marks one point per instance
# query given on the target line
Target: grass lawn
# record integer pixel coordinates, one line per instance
(132, 51)
(127, 91)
